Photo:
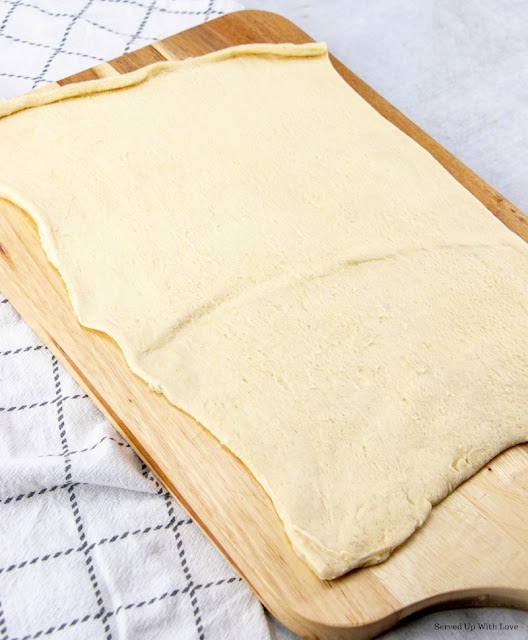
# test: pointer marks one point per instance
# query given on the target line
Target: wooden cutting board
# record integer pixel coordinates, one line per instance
(473, 550)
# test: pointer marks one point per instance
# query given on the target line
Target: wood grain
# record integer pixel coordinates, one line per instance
(473, 550)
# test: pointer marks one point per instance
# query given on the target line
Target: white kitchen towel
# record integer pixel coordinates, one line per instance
(46, 40)
(90, 545)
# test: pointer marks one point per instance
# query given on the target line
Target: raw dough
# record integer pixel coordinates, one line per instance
(294, 272)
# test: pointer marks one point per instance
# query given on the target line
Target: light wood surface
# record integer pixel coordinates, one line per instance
(473, 550)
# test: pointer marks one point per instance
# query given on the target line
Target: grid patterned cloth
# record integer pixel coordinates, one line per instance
(91, 546)
(46, 40)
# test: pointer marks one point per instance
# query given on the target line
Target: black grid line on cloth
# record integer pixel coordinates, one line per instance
(160, 9)
(54, 14)
(51, 48)
(22, 407)
(134, 2)
(126, 607)
(83, 548)
(13, 352)
(90, 448)
(188, 576)
(20, 77)
(109, 30)
(73, 498)
(147, 473)
(3, 623)
(59, 49)
(29, 5)
(189, 13)
(7, 16)
(44, 558)
(30, 494)
(181, 553)
(209, 10)
(191, 587)
(141, 26)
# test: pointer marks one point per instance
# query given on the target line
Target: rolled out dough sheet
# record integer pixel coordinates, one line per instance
(291, 270)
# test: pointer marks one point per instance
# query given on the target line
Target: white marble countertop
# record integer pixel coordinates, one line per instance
(458, 69)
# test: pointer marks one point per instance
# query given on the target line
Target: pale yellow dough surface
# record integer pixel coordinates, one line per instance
(291, 270)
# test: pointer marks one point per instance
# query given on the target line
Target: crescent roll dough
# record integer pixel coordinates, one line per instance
(293, 271)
